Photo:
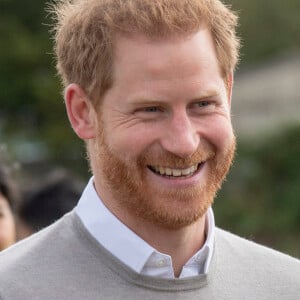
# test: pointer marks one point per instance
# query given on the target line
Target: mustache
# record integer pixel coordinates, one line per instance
(168, 159)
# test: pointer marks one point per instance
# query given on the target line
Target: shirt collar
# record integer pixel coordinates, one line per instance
(123, 243)
(111, 233)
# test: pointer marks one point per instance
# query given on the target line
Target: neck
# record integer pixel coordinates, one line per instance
(180, 244)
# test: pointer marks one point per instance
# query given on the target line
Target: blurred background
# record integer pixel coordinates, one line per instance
(261, 197)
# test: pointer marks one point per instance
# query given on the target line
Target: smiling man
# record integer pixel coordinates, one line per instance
(148, 87)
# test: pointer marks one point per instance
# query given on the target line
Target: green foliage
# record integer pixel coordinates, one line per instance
(30, 96)
(267, 27)
(260, 199)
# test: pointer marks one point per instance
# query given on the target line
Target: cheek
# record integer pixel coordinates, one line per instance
(220, 133)
(132, 143)
(7, 239)
(7, 228)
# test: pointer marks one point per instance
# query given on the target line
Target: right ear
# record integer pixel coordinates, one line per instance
(80, 111)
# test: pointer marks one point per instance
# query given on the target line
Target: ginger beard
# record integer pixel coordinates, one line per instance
(172, 208)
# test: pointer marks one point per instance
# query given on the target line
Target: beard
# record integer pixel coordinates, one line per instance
(128, 183)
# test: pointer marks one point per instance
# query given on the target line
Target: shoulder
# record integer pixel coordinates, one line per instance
(29, 260)
(48, 242)
(61, 262)
(251, 258)
(247, 247)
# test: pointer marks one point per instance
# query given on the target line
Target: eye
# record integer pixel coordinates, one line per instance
(203, 107)
(203, 103)
(148, 113)
(150, 109)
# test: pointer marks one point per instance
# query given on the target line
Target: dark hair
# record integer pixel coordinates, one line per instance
(56, 196)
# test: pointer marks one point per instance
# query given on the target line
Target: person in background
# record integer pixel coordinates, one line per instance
(46, 203)
(8, 199)
(148, 86)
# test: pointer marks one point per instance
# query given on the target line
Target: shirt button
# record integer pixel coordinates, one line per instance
(160, 263)
(199, 258)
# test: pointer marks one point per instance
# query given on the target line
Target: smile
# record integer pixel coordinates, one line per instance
(170, 172)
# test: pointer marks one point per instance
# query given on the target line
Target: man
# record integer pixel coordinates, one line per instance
(148, 87)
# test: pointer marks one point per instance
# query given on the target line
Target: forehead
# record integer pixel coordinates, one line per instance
(154, 56)
(179, 66)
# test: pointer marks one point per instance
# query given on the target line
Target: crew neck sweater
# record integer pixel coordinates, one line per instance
(64, 261)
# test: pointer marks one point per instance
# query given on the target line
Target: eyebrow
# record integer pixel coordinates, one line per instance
(206, 95)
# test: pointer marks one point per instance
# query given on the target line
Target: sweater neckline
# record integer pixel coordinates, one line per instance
(129, 275)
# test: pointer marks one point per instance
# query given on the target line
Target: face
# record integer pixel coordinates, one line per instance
(164, 140)
(7, 224)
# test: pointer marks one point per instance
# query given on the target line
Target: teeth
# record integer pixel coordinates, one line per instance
(187, 171)
(161, 170)
(176, 172)
(168, 171)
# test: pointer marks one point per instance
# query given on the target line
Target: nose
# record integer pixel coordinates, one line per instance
(180, 135)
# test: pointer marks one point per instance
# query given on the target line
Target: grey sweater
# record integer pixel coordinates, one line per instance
(65, 262)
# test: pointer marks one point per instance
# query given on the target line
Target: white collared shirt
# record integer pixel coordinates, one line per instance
(128, 247)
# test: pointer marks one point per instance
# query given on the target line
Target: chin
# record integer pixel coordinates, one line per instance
(175, 211)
